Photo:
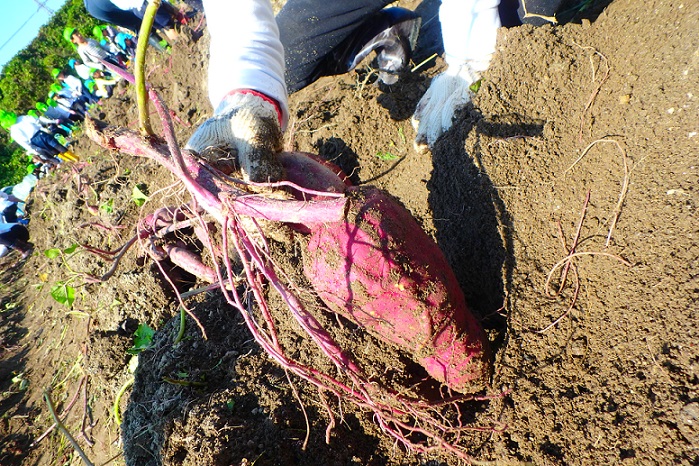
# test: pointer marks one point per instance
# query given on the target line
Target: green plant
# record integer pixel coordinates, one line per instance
(139, 194)
(143, 336)
(142, 339)
(20, 382)
(62, 292)
(385, 155)
(475, 86)
(107, 206)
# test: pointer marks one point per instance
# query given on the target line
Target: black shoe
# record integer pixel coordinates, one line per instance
(391, 32)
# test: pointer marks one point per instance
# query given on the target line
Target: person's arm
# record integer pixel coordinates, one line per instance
(14, 199)
(47, 121)
(87, 59)
(75, 84)
(245, 51)
(90, 55)
(246, 87)
(469, 33)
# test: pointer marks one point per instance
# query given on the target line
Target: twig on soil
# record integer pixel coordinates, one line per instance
(63, 429)
(65, 411)
(624, 185)
(595, 92)
(573, 300)
(331, 416)
(360, 88)
(112, 458)
(98, 225)
(199, 25)
(86, 410)
(567, 263)
(117, 258)
(179, 120)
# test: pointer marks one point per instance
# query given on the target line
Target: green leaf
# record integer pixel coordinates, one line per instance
(475, 86)
(386, 156)
(20, 381)
(71, 249)
(401, 134)
(107, 207)
(52, 253)
(139, 194)
(63, 293)
(142, 339)
(230, 404)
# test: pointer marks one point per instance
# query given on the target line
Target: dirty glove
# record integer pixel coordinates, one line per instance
(448, 92)
(244, 131)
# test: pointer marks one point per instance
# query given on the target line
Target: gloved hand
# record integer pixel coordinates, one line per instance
(448, 92)
(245, 129)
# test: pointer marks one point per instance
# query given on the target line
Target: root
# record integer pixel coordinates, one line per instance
(624, 184)
(568, 264)
(597, 89)
(570, 257)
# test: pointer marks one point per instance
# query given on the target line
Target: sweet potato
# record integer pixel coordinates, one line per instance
(379, 268)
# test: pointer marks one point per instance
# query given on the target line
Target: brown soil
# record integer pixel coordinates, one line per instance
(605, 107)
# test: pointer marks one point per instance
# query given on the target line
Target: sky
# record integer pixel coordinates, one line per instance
(20, 22)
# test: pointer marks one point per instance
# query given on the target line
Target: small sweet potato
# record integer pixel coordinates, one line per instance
(379, 269)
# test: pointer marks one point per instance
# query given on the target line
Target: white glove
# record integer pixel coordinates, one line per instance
(448, 92)
(245, 129)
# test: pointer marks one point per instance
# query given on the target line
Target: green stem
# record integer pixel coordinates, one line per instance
(117, 401)
(180, 334)
(139, 67)
(63, 429)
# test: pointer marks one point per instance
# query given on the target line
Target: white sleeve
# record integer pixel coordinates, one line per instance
(127, 4)
(87, 59)
(22, 133)
(245, 50)
(469, 31)
(75, 84)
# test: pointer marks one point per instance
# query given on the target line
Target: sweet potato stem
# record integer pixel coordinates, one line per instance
(139, 66)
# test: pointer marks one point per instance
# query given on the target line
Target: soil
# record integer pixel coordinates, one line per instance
(599, 368)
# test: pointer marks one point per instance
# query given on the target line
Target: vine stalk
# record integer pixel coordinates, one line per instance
(139, 67)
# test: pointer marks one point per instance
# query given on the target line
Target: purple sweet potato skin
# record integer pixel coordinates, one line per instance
(312, 172)
(381, 270)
